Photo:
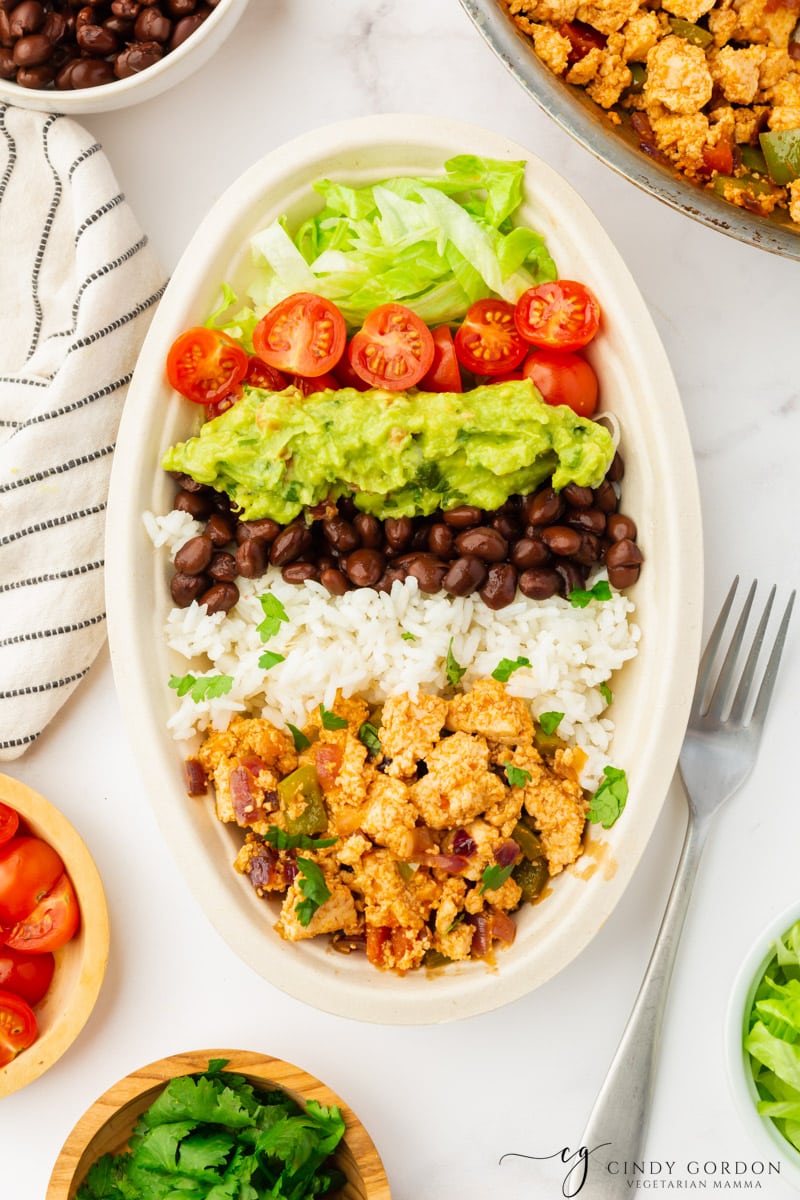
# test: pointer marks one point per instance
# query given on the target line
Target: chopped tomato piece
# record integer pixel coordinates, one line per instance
(487, 341)
(393, 349)
(28, 869)
(564, 315)
(51, 924)
(205, 364)
(26, 975)
(18, 1027)
(582, 38)
(563, 378)
(302, 335)
(444, 374)
(9, 823)
(718, 158)
(328, 760)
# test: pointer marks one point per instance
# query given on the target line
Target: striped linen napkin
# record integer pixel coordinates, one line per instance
(78, 287)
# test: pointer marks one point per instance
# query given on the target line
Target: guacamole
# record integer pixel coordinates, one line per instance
(398, 453)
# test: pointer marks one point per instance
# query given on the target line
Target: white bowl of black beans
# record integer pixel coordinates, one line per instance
(82, 56)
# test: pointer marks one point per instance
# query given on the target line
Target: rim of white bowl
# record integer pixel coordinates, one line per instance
(146, 84)
(740, 1078)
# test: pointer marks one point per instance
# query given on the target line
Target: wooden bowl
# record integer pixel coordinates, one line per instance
(81, 964)
(107, 1125)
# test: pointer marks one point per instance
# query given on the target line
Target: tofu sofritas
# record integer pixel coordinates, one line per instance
(412, 831)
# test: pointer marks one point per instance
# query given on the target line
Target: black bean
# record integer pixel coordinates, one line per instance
(32, 50)
(577, 496)
(588, 520)
(341, 534)
(266, 529)
(529, 552)
(194, 555)
(392, 574)
(91, 72)
(185, 27)
(364, 567)
(299, 572)
(484, 542)
(617, 469)
(464, 576)
(590, 550)
(500, 587)
(334, 581)
(428, 571)
(573, 576)
(369, 530)
(544, 507)
(605, 498)
(624, 553)
(137, 57)
(220, 529)
(463, 517)
(95, 40)
(622, 577)
(505, 523)
(440, 540)
(398, 532)
(540, 583)
(194, 503)
(186, 588)
(222, 567)
(36, 77)
(619, 528)
(292, 542)
(252, 557)
(26, 17)
(562, 540)
(221, 597)
(152, 26)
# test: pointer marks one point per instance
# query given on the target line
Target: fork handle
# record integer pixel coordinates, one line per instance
(618, 1121)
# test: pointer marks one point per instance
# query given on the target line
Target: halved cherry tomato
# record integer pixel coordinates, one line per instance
(18, 1027)
(563, 378)
(28, 869)
(393, 348)
(318, 384)
(26, 975)
(511, 377)
(487, 341)
(49, 925)
(205, 364)
(302, 335)
(262, 375)
(563, 315)
(346, 375)
(9, 823)
(444, 375)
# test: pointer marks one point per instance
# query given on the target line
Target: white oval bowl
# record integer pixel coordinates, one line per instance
(763, 1131)
(173, 68)
(653, 693)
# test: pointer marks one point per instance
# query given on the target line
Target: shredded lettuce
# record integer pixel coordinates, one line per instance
(437, 244)
(772, 1038)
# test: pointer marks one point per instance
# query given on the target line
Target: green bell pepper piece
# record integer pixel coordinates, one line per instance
(303, 785)
(782, 153)
(753, 159)
(527, 841)
(531, 877)
(692, 33)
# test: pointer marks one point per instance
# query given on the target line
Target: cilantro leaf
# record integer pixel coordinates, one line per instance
(453, 670)
(368, 734)
(516, 776)
(270, 659)
(330, 719)
(608, 802)
(507, 666)
(313, 887)
(408, 637)
(606, 693)
(550, 721)
(579, 598)
(201, 687)
(494, 876)
(301, 742)
(282, 840)
(274, 614)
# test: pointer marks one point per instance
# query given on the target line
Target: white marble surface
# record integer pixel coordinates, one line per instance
(443, 1104)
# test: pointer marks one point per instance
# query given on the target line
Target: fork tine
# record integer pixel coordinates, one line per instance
(722, 688)
(745, 683)
(709, 654)
(771, 672)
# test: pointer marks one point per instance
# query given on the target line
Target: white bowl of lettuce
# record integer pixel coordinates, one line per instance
(763, 1040)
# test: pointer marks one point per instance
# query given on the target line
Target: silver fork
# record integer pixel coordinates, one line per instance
(717, 755)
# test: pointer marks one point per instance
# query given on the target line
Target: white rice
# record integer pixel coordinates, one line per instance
(355, 643)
